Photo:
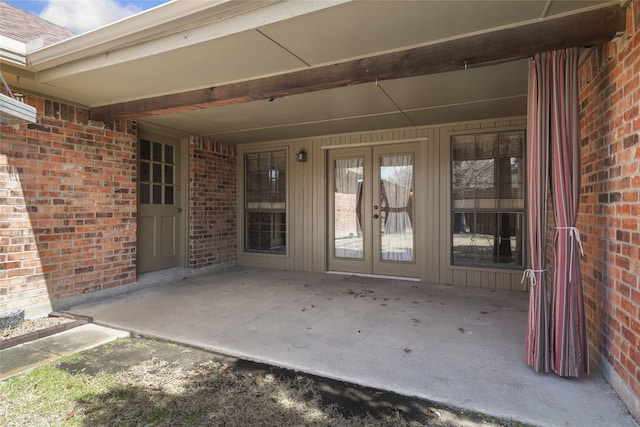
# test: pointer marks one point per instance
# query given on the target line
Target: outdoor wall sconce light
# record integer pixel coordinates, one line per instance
(18, 96)
(301, 156)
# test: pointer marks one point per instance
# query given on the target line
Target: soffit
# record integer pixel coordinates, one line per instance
(199, 57)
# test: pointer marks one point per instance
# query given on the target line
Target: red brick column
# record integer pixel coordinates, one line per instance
(609, 216)
(212, 218)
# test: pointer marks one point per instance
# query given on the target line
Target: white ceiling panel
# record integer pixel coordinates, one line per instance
(481, 110)
(360, 28)
(238, 57)
(498, 81)
(322, 106)
(266, 46)
(305, 130)
(559, 7)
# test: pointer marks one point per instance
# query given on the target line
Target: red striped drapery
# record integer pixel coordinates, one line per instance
(569, 351)
(538, 131)
(556, 335)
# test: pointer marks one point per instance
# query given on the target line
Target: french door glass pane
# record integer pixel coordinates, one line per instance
(396, 207)
(347, 202)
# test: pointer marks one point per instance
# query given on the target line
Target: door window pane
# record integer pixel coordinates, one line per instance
(157, 173)
(145, 193)
(396, 207)
(157, 152)
(347, 202)
(168, 195)
(168, 174)
(145, 149)
(157, 195)
(145, 172)
(168, 154)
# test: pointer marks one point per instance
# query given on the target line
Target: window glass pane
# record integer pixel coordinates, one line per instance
(476, 245)
(265, 201)
(251, 163)
(145, 149)
(508, 246)
(487, 199)
(486, 146)
(463, 241)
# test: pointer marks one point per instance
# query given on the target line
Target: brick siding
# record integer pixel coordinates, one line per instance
(67, 206)
(212, 211)
(609, 213)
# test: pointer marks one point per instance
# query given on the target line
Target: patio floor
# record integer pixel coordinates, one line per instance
(454, 345)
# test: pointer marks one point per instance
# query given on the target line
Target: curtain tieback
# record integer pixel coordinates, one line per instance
(531, 274)
(574, 234)
(402, 209)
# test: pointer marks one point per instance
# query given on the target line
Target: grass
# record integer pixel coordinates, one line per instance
(146, 383)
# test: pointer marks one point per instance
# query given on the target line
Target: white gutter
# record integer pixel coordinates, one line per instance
(147, 24)
(13, 51)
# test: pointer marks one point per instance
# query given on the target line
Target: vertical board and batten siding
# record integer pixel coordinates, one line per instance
(307, 202)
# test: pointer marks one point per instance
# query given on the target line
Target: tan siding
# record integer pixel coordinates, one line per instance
(446, 274)
(307, 202)
(318, 205)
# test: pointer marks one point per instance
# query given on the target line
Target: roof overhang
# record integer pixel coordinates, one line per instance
(241, 71)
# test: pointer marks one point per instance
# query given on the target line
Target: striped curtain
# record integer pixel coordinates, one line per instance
(556, 333)
(538, 131)
(570, 357)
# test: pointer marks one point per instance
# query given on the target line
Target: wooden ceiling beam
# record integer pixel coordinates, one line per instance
(569, 31)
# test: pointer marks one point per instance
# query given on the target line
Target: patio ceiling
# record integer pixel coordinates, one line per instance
(258, 71)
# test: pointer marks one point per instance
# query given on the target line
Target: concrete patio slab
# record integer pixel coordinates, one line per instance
(458, 346)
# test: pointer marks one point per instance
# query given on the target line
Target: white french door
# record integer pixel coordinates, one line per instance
(372, 210)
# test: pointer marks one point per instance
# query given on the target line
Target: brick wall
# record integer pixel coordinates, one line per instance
(212, 212)
(609, 214)
(67, 207)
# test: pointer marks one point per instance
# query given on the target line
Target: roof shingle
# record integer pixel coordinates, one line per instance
(24, 27)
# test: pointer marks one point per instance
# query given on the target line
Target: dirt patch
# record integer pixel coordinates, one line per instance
(31, 325)
(32, 329)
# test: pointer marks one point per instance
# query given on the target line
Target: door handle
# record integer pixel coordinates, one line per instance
(179, 210)
(376, 216)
